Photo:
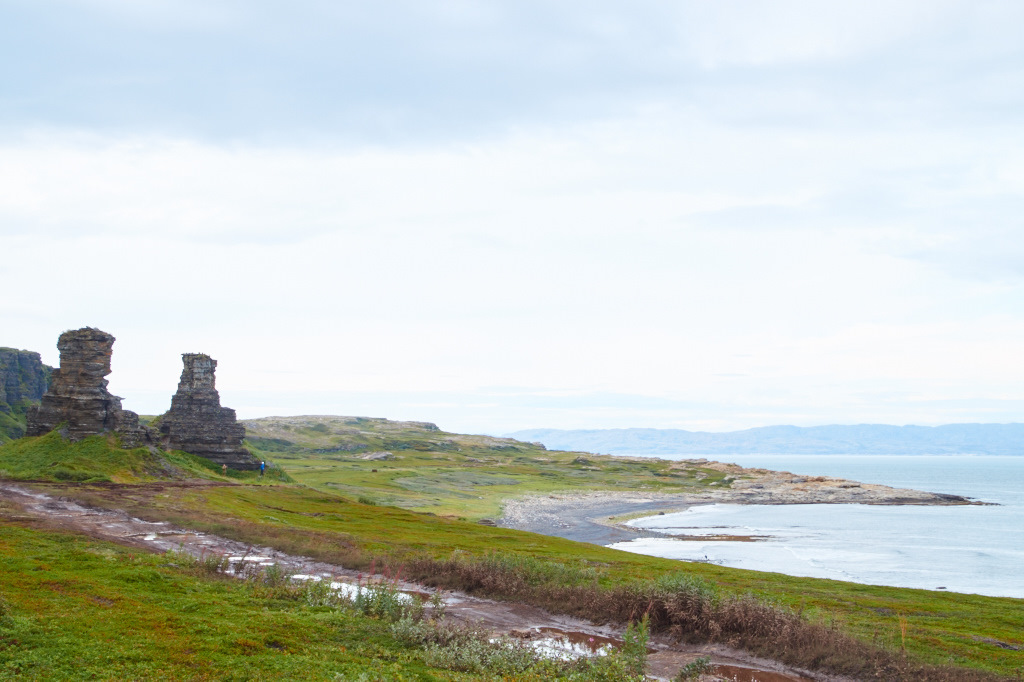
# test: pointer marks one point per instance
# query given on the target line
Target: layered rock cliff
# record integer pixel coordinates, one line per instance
(23, 381)
(197, 423)
(78, 397)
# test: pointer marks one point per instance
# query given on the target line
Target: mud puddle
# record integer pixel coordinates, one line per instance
(735, 673)
(571, 636)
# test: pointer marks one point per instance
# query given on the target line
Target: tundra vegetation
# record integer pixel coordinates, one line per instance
(416, 466)
(76, 608)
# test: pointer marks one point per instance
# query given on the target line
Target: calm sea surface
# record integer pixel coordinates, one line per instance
(973, 549)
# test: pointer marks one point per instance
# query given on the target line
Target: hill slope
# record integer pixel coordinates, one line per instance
(416, 465)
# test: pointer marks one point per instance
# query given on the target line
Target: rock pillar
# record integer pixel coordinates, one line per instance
(78, 396)
(197, 423)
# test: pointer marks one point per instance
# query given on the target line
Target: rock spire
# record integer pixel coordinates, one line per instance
(78, 396)
(197, 423)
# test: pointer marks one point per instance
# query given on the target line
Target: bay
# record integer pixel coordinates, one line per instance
(971, 549)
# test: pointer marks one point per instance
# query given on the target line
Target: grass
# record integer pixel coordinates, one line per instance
(13, 419)
(458, 475)
(810, 621)
(77, 609)
(587, 580)
(101, 459)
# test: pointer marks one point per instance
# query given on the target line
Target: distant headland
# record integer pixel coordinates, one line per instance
(860, 439)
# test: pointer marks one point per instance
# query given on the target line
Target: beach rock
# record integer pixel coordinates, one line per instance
(78, 397)
(197, 423)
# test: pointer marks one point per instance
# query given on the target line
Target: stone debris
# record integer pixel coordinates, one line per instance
(196, 422)
(378, 456)
(78, 397)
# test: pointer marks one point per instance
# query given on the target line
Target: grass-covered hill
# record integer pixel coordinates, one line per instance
(75, 608)
(417, 466)
(100, 459)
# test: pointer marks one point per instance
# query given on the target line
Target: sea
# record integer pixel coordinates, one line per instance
(976, 549)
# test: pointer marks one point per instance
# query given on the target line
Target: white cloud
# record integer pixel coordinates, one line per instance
(717, 213)
(631, 257)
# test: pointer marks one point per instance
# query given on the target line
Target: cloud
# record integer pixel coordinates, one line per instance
(778, 211)
(404, 71)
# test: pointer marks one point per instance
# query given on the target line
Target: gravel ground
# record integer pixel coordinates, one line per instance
(584, 517)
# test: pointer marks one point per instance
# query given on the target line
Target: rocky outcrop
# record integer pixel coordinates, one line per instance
(23, 381)
(78, 396)
(196, 422)
(23, 376)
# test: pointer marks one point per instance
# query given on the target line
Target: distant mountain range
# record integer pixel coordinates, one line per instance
(861, 439)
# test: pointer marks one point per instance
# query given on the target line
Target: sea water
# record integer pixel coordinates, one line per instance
(972, 549)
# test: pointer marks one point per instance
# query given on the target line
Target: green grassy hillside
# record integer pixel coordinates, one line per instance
(101, 459)
(972, 632)
(415, 465)
(13, 419)
(72, 608)
(942, 628)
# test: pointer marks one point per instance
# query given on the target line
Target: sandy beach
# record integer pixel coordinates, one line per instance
(592, 516)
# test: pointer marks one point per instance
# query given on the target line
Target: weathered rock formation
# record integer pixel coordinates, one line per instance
(23, 381)
(23, 376)
(78, 396)
(196, 422)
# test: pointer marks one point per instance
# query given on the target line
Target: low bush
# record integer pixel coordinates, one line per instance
(688, 608)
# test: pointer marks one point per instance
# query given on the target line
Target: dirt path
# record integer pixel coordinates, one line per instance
(26, 504)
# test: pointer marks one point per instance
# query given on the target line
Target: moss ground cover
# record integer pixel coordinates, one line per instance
(942, 628)
(99, 459)
(417, 466)
(76, 609)
(12, 421)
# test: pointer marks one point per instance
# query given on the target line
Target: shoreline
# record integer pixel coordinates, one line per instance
(598, 516)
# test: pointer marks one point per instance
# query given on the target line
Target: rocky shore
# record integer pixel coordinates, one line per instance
(592, 516)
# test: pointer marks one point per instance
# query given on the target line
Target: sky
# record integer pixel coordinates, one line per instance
(500, 215)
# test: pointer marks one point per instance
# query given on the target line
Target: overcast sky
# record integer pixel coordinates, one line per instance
(505, 215)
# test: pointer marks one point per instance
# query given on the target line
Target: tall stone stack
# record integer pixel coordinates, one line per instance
(78, 396)
(196, 422)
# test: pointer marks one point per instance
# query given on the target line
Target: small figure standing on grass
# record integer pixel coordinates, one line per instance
(224, 469)
(263, 466)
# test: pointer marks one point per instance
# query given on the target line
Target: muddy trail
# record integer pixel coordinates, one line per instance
(26, 505)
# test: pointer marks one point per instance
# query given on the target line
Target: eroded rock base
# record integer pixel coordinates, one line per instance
(197, 423)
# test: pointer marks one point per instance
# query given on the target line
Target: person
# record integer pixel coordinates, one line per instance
(224, 469)
(263, 465)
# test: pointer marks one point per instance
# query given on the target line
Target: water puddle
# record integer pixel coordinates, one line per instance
(348, 590)
(735, 673)
(565, 645)
(554, 636)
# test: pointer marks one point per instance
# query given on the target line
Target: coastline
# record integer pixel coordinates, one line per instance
(598, 516)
